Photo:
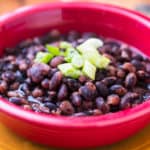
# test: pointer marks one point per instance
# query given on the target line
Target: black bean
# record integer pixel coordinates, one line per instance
(12, 67)
(56, 61)
(97, 112)
(76, 99)
(37, 72)
(138, 57)
(37, 92)
(125, 55)
(52, 94)
(55, 81)
(25, 43)
(37, 41)
(56, 112)
(10, 58)
(136, 102)
(113, 100)
(66, 108)
(147, 78)
(45, 83)
(130, 80)
(141, 74)
(8, 76)
(100, 104)
(10, 50)
(113, 47)
(118, 89)
(88, 91)
(102, 89)
(55, 34)
(112, 43)
(120, 81)
(18, 100)
(63, 92)
(111, 70)
(3, 86)
(43, 88)
(47, 99)
(14, 86)
(106, 48)
(138, 65)
(109, 80)
(83, 79)
(148, 67)
(100, 74)
(19, 76)
(12, 94)
(23, 66)
(87, 105)
(87, 35)
(28, 81)
(139, 90)
(52, 71)
(72, 84)
(128, 67)
(50, 105)
(73, 35)
(127, 99)
(121, 73)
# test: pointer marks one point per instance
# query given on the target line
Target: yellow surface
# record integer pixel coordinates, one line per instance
(10, 141)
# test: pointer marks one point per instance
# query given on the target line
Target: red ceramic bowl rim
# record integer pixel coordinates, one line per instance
(73, 122)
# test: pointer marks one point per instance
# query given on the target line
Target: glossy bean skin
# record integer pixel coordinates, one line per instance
(42, 88)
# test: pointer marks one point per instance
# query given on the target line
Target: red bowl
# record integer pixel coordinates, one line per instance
(75, 132)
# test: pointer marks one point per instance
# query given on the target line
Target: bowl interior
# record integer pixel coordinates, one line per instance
(104, 20)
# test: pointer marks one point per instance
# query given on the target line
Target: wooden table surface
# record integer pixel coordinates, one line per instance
(9, 5)
(10, 141)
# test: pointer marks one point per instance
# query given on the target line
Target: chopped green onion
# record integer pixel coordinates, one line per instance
(69, 71)
(94, 42)
(43, 57)
(62, 53)
(53, 50)
(104, 61)
(77, 61)
(92, 57)
(70, 53)
(82, 60)
(90, 45)
(96, 59)
(65, 45)
(84, 48)
(89, 70)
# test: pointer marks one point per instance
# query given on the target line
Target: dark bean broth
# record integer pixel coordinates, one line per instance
(124, 84)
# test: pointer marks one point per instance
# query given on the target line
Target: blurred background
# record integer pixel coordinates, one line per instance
(10, 5)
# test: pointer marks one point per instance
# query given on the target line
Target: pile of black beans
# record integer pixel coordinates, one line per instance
(42, 88)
